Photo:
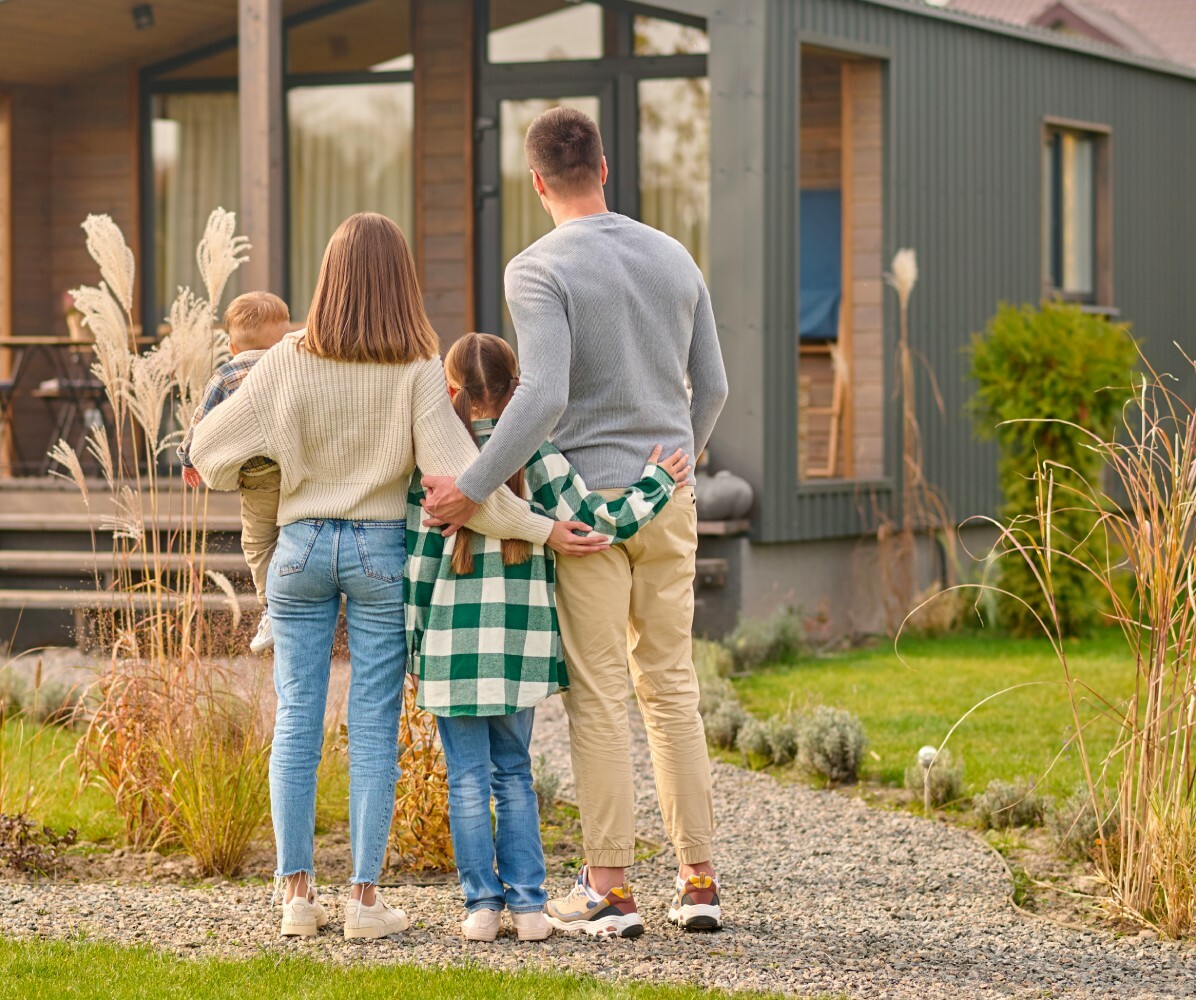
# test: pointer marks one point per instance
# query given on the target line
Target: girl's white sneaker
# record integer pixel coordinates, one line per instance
(302, 917)
(374, 921)
(482, 925)
(531, 926)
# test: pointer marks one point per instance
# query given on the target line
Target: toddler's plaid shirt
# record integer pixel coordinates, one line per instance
(224, 382)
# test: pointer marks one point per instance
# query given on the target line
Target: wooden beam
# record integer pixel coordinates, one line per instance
(6, 288)
(847, 256)
(261, 133)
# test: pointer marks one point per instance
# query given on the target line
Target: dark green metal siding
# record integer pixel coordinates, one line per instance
(964, 110)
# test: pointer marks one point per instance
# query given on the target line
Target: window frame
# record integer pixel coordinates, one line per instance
(1100, 299)
(152, 86)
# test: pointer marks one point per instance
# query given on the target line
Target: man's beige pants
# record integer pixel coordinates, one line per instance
(259, 523)
(646, 582)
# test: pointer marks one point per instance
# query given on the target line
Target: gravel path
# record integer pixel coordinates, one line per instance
(823, 895)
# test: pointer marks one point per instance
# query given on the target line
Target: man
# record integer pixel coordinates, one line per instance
(611, 317)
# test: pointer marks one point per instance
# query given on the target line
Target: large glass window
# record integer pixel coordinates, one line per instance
(1069, 212)
(350, 151)
(674, 157)
(654, 36)
(195, 146)
(544, 31)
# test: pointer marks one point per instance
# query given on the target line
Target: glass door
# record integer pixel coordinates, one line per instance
(510, 216)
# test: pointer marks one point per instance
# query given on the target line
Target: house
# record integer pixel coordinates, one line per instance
(792, 145)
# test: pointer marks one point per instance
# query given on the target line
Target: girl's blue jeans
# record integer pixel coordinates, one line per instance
(489, 756)
(315, 563)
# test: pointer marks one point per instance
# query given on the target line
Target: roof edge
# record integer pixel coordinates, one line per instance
(1038, 36)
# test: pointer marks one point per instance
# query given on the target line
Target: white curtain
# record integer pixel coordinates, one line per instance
(675, 161)
(196, 166)
(350, 149)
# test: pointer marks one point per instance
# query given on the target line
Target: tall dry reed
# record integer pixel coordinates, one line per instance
(1142, 551)
(419, 838)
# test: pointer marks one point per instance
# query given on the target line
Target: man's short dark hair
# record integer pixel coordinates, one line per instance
(565, 148)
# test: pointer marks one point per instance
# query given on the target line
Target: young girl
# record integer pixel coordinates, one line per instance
(483, 642)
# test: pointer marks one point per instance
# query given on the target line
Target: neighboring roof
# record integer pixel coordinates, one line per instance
(1157, 29)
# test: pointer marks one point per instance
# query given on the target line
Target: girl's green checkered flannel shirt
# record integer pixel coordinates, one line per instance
(488, 643)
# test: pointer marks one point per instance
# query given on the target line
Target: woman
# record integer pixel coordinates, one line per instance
(347, 408)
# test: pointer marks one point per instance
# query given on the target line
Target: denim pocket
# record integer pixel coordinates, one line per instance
(382, 546)
(295, 542)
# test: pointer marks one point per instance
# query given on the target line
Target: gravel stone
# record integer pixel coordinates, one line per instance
(821, 893)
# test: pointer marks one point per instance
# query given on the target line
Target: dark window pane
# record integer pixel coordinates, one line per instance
(544, 31)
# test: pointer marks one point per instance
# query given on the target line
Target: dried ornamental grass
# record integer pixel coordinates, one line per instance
(419, 836)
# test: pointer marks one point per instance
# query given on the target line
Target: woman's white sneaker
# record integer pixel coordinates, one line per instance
(302, 917)
(374, 921)
(482, 925)
(531, 926)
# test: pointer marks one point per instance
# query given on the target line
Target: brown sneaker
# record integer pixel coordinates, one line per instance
(695, 906)
(583, 911)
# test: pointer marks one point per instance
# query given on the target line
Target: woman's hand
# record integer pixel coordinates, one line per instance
(564, 542)
(676, 465)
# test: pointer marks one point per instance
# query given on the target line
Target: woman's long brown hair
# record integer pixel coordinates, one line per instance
(483, 373)
(367, 305)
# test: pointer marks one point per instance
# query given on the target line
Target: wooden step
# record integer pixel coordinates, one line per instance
(71, 600)
(38, 562)
(712, 573)
(59, 522)
(724, 528)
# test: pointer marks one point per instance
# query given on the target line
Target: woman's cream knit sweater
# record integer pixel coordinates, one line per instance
(347, 436)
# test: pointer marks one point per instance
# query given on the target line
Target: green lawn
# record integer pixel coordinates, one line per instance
(38, 970)
(43, 757)
(904, 706)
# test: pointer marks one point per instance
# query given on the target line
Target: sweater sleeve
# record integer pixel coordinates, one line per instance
(707, 375)
(443, 447)
(226, 439)
(559, 490)
(545, 352)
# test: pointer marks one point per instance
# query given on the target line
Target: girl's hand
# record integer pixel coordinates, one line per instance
(676, 465)
(564, 542)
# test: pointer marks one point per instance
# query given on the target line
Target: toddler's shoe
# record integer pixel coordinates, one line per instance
(264, 638)
(482, 925)
(532, 926)
(374, 921)
(303, 916)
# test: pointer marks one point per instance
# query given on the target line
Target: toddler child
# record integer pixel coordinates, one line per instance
(255, 321)
(484, 646)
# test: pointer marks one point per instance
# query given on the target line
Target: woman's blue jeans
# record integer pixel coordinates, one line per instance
(489, 756)
(316, 562)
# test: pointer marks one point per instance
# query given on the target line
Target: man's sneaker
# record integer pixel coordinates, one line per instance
(302, 917)
(584, 911)
(482, 925)
(532, 926)
(264, 638)
(374, 921)
(695, 906)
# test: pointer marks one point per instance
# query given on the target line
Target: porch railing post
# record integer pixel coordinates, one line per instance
(260, 73)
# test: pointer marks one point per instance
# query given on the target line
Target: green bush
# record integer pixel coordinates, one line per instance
(1073, 827)
(831, 744)
(1044, 377)
(774, 739)
(757, 641)
(1010, 803)
(546, 783)
(946, 779)
(724, 723)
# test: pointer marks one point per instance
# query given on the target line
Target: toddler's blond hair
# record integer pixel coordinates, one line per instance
(256, 321)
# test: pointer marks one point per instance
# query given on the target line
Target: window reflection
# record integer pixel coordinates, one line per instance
(656, 37)
(350, 151)
(544, 31)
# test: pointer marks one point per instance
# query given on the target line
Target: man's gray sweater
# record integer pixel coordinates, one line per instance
(610, 316)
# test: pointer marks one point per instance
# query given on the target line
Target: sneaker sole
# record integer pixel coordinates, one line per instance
(537, 936)
(697, 917)
(483, 936)
(299, 930)
(372, 933)
(627, 926)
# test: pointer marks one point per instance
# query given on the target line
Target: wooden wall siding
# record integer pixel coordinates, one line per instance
(93, 170)
(821, 126)
(444, 211)
(863, 190)
(32, 304)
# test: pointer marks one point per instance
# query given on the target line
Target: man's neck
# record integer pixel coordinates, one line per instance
(579, 209)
